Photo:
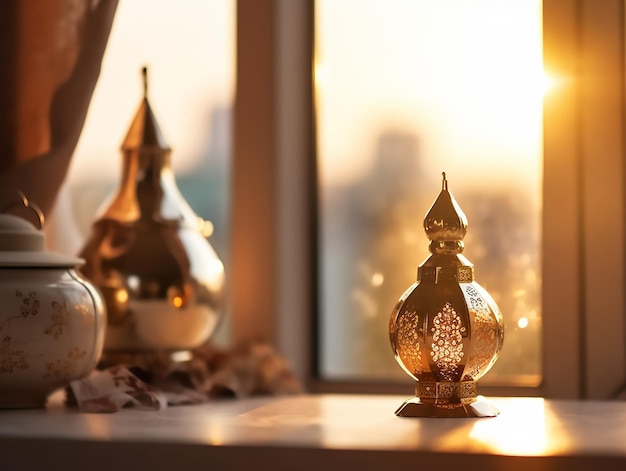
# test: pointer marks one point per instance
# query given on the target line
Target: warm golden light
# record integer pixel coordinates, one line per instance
(321, 74)
(205, 227)
(522, 323)
(517, 432)
(121, 296)
(550, 82)
(177, 301)
(215, 432)
(181, 356)
(377, 279)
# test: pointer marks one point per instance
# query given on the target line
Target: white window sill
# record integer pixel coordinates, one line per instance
(316, 432)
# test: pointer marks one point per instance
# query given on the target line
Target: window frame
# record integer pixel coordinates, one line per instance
(273, 225)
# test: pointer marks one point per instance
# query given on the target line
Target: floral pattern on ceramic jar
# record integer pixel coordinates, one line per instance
(52, 321)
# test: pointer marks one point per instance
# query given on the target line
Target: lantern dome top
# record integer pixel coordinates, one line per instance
(144, 131)
(445, 223)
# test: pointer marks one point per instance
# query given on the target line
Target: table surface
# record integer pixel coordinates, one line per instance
(313, 432)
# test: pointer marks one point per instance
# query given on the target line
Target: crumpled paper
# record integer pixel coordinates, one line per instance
(111, 389)
(153, 380)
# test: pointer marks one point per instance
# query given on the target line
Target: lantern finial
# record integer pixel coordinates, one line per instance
(144, 132)
(144, 73)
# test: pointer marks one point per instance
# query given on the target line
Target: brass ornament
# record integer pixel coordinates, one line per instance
(446, 331)
(160, 277)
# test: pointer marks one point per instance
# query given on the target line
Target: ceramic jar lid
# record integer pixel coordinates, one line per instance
(22, 245)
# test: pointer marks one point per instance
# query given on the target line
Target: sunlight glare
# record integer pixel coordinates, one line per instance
(550, 82)
(321, 74)
(519, 432)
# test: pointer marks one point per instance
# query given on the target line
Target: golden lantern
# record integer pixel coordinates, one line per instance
(446, 331)
(160, 277)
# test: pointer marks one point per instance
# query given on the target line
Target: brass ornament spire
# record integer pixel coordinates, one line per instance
(445, 224)
(144, 131)
(446, 331)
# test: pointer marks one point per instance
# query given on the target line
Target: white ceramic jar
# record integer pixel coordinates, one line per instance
(52, 321)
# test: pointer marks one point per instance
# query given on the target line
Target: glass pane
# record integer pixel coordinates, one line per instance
(406, 90)
(189, 49)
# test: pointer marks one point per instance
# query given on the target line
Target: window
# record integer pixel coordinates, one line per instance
(272, 291)
(582, 299)
(406, 91)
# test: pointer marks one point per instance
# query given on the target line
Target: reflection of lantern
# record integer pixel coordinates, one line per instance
(161, 279)
(446, 331)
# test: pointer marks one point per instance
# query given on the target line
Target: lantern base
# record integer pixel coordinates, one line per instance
(415, 407)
